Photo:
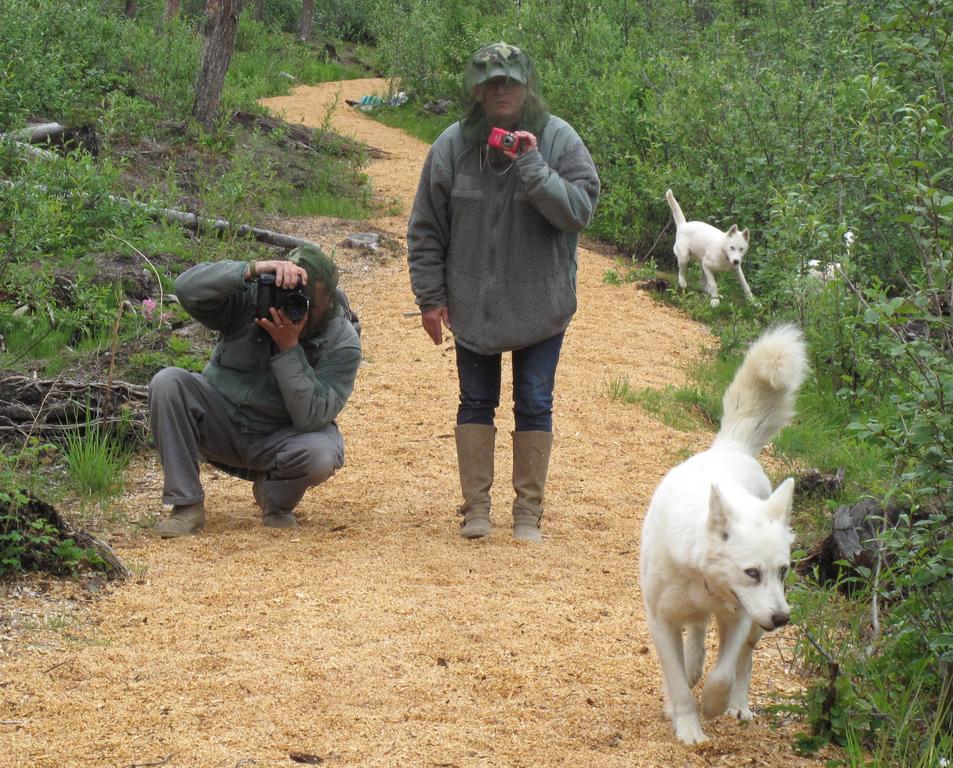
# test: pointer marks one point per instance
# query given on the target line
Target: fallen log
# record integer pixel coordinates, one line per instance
(35, 134)
(54, 408)
(192, 221)
(197, 223)
(853, 540)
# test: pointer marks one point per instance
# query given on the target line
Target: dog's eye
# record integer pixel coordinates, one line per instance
(754, 573)
(784, 572)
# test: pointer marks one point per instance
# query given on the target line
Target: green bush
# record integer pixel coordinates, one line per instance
(56, 58)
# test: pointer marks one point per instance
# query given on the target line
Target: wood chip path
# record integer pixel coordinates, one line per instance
(374, 635)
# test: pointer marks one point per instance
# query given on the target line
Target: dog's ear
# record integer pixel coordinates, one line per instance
(719, 514)
(745, 234)
(732, 229)
(781, 501)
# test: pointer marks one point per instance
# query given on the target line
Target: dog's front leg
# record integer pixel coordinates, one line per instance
(738, 703)
(695, 651)
(732, 635)
(711, 285)
(668, 644)
(744, 284)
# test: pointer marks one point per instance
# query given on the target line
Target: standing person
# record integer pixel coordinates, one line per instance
(264, 408)
(492, 256)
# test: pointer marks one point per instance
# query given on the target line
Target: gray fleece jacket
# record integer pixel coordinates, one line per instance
(495, 241)
(304, 387)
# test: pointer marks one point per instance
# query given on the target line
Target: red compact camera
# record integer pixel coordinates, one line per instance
(505, 140)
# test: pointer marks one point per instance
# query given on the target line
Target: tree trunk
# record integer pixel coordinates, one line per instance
(259, 12)
(132, 6)
(171, 11)
(221, 26)
(307, 17)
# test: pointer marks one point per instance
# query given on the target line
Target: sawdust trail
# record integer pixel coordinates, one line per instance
(374, 635)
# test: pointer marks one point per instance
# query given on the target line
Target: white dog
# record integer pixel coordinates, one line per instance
(716, 541)
(715, 250)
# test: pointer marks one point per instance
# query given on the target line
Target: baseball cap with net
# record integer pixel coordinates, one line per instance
(498, 60)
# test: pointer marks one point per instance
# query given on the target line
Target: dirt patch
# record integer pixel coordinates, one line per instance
(374, 635)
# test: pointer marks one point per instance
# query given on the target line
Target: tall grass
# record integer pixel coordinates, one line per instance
(95, 461)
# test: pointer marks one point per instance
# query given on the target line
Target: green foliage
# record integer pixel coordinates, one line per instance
(29, 541)
(264, 64)
(353, 20)
(414, 120)
(38, 545)
(56, 58)
(95, 461)
(687, 410)
(163, 67)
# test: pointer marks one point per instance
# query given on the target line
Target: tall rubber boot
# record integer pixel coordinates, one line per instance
(531, 452)
(475, 444)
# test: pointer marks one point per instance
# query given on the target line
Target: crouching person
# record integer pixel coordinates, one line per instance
(264, 408)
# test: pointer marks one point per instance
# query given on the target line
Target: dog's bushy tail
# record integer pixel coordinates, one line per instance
(676, 208)
(760, 399)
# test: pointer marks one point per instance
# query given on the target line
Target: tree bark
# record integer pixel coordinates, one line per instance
(171, 11)
(132, 7)
(221, 27)
(259, 12)
(307, 19)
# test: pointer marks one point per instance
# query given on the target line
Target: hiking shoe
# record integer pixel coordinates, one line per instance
(271, 518)
(184, 520)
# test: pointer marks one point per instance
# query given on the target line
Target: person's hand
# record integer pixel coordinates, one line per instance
(287, 274)
(527, 143)
(433, 321)
(283, 332)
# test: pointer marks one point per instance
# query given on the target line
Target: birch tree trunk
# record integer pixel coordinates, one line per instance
(221, 27)
(307, 18)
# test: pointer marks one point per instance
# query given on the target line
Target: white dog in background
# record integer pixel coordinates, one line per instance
(715, 250)
(716, 540)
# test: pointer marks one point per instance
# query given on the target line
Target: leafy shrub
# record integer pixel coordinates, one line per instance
(78, 61)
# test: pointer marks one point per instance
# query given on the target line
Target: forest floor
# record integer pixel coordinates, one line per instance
(373, 635)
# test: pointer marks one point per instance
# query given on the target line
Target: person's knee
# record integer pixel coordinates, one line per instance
(533, 409)
(314, 463)
(166, 381)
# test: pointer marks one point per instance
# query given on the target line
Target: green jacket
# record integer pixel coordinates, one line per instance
(305, 386)
(495, 241)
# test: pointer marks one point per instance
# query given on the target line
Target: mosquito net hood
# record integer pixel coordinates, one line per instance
(321, 270)
(500, 60)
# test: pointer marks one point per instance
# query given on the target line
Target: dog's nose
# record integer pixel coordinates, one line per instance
(780, 619)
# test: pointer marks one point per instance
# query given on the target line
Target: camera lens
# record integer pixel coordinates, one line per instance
(508, 141)
(295, 306)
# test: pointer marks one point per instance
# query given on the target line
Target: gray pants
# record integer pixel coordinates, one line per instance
(190, 423)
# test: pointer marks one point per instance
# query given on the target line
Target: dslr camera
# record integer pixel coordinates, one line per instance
(500, 139)
(294, 302)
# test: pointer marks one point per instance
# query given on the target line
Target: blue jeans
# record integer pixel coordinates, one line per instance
(534, 377)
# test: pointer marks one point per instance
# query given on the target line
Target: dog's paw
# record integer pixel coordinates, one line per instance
(715, 697)
(740, 713)
(688, 730)
(715, 302)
